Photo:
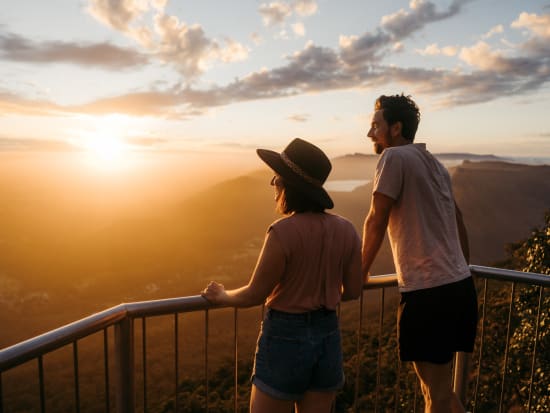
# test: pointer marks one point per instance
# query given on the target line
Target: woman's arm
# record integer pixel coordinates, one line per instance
(267, 274)
(352, 283)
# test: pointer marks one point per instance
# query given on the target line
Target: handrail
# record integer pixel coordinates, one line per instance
(381, 281)
(511, 275)
(122, 316)
(31, 348)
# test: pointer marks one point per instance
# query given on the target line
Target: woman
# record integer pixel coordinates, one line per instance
(310, 260)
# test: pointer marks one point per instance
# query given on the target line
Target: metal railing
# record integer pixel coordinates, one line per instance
(121, 319)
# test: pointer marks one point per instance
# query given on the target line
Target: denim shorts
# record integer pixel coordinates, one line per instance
(434, 323)
(296, 353)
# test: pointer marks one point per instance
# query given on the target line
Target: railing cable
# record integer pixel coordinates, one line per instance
(206, 357)
(76, 379)
(481, 342)
(508, 328)
(358, 363)
(1, 395)
(379, 355)
(236, 355)
(106, 367)
(41, 384)
(397, 385)
(535, 345)
(176, 361)
(144, 361)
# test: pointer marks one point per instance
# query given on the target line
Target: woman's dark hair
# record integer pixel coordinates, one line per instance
(400, 108)
(292, 199)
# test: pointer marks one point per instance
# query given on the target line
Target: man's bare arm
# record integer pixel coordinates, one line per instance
(374, 229)
(462, 234)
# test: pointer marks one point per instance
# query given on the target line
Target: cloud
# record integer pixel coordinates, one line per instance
(305, 7)
(538, 25)
(495, 30)
(274, 13)
(299, 117)
(299, 29)
(30, 144)
(480, 55)
(256, 38)
(397, 47)
(233, 52)
(357, 51)
(231, 145)
(154, 103)
(358, 63)
(118, 14)
(146, 141)
(421, 12)
(186, 47)
(434, 50)
(12, 103)
(278, 12)
(103, 55)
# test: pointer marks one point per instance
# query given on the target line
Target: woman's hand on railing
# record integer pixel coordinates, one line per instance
(215, 293)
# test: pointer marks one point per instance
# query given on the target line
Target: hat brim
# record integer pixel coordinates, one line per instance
(274, 161)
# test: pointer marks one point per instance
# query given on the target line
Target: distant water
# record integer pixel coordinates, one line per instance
(345, 185)
(528, 160)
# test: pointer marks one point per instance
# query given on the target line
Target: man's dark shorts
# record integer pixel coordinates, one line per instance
(434, 323)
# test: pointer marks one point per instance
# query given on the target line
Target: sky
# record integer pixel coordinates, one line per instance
(225, 77)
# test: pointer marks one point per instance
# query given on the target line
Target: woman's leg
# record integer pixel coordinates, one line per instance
(261, 402)
(316, 402)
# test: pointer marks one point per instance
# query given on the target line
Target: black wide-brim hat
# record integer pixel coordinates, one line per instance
(303, 166)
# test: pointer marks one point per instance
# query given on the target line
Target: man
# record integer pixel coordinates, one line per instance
(412, 198)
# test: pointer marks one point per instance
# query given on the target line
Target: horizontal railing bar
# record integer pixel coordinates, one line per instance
(511, 275)
(54, 339)
(381, 281)
(168, 306)
(29, 349)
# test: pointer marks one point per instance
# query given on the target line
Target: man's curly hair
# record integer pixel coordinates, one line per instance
(400, 108)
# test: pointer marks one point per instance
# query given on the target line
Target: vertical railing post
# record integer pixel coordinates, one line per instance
(124, 355)
(460, 383)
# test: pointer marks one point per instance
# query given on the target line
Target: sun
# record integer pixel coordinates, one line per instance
(105, 144)
(107, 148)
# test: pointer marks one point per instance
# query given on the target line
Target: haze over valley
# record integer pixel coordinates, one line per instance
(71, 245)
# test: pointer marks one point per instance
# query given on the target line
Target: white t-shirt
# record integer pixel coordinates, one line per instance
(422, 227)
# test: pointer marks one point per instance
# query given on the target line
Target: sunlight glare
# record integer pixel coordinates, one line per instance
(105, 143)
(107, 149)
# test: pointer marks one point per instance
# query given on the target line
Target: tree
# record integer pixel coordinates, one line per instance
(530, 340)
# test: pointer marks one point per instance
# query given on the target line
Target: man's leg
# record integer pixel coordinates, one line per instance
(437, 387)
